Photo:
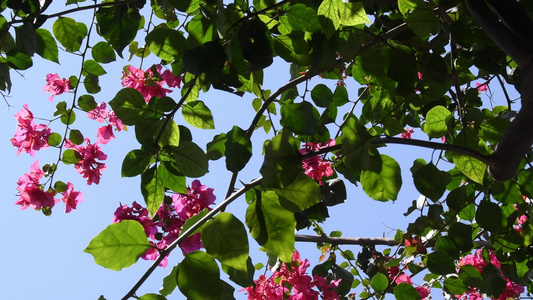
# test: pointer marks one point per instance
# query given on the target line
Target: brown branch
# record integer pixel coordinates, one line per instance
(363, 241)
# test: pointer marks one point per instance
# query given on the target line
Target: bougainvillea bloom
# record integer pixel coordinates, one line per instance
(31, 192)
(407, 133)
(293, 281)
(316, 167)
(416, 242)
(88, 166)
(29, 137)
(512, 290)
(150, 84)
(55, 85)
(99, 113)
(482, 87)
(104, 134)
(71, 198)
(166, 225)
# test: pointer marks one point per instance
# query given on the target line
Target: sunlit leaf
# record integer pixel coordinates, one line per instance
(119, 245)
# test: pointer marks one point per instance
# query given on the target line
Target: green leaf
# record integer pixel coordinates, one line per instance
(152, 297)
(135, 163)
(352, 13)
(440, 262)
(330, 10)
(18, 60)
(408, 5)
(238, 149)
(462, 236)
(26, 39)
(282, 162)
(300, 118)
(70, 156)
(118, 25)
(489, 215)
(54, 139)
(436, 119)
(303, 18)
(171, 178)
(492, 130)
(303, 191)
(471, 276)
(225, 238)
(507, 192)
(379, 282)
(292, 48)
(382, 180)
(494, 281)
(66, 31)
(87, 103)
(119, 245)
(91, 84)
(271, 225)
(129, 106)
(455, 286)
(430, 181)
(195, 266)
(217, 147)
(92, 67)
(198, 115)
(46, 45)
(170, 135)
(76, 137)
(152, 190)
(405, 291)
(322, 95)
(190, 159)
(103, 53)
(167, 44)
(60, 186)
(169, 282)
(242, 278)
(471, 167)
(423, 22)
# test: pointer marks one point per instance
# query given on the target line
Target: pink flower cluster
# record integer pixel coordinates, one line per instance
(165, 227)
(422, 290)
(407, 133)
(316, 167)
(56, 86)
(482, 87)
(105, 133)
(89, 166)
(32, 193)
(29, 136)
(512, 290)
(148, 83)
(292, 280)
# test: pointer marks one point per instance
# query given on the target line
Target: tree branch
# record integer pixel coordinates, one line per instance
(363, 241)
(498, 32)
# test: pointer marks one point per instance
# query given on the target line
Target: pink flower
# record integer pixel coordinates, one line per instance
(404, 278)
(115, 121)
(31, 192)
(416, 242)
(423, 291)
(292, 281)
(99, 114)
(29, 137)
(512, 290)
(407, 133)
(150, 84)
(197, 199)
(88, 166)
(104, 134)
(482, 87)
(71, 198)
(168, 77)
(315, 167)
(137, 213)
(56, 86)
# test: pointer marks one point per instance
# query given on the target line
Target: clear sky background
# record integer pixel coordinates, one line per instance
(42, 257)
